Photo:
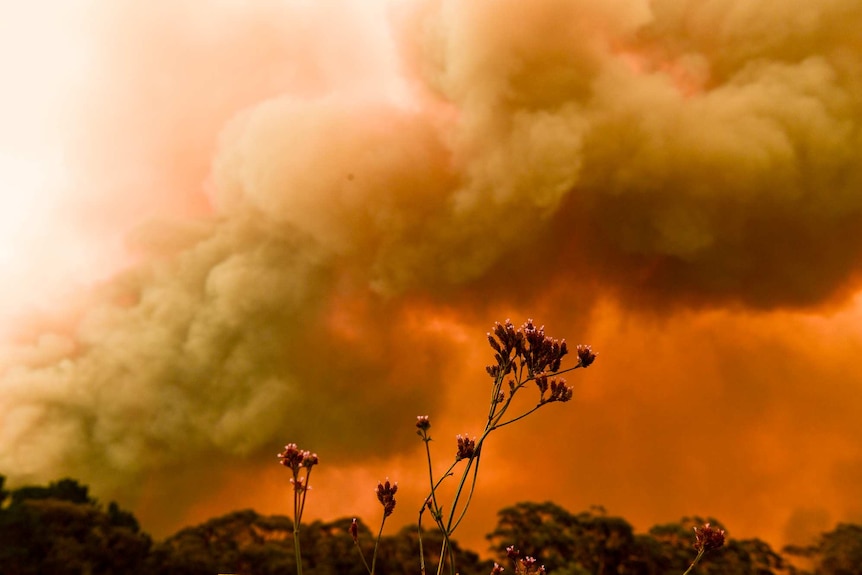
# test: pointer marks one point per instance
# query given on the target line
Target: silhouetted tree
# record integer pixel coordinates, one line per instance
(63, 490)
(738, 557)
(836, 552)
(60, 529)
(589, 542)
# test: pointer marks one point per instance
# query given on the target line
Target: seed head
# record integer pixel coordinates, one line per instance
(354, 531)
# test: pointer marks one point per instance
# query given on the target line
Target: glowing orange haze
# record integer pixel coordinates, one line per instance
(297, 222)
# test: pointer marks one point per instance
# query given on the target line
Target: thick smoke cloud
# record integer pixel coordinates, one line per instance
(696, 152)
(367, 167)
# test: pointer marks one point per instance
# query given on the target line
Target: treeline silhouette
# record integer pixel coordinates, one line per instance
(59, 529)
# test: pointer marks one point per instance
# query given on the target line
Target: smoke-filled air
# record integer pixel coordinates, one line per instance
(229, 227)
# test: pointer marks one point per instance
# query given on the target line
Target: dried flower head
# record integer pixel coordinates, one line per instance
(529, 348)
(386, 496)
(497, 569)
(586, 356)
(542, 383)
(466, 447)
(508, 344)
(293, 458)
(423, 423)
(708, 538)
(541, 353)
(560, 391)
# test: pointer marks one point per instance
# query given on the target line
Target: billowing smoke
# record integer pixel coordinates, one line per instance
(368, 167)
(693, 151)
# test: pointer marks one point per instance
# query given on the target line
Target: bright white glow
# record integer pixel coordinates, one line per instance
(43, 61)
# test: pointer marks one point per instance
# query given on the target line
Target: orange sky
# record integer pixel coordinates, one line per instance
(229, 229)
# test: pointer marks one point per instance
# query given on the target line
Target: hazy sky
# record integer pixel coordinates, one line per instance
(223, 229)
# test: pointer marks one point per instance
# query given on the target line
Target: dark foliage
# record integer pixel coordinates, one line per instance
(60, 529)
(838, 552)
(594, 543)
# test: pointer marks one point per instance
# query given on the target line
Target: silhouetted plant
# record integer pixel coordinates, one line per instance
(522, 355)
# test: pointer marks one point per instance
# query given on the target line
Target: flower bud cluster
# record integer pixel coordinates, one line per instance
(508, 345)
(466, 447)
(527, 347)
(559, 390)
(354, 531)
(541, 353)
(386, 496)
(586, 356)
(293, 458)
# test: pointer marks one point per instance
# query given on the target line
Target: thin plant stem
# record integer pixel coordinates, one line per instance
(431, 478)
(304, 492)
(696, 559)
(362, 556)
(421, 548)
(458, 494)
(377, 544)
(435, 511)
(297, 550)
(469, 496)
(444, 551)
(296, 519)
(522, 416)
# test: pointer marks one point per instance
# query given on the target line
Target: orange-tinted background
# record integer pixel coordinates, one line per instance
(223, 229)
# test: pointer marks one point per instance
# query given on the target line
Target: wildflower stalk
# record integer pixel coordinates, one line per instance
(354, 531)
(376, 545)
(469, 498)
(523, 355)
(297, 460)
(386, 495)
